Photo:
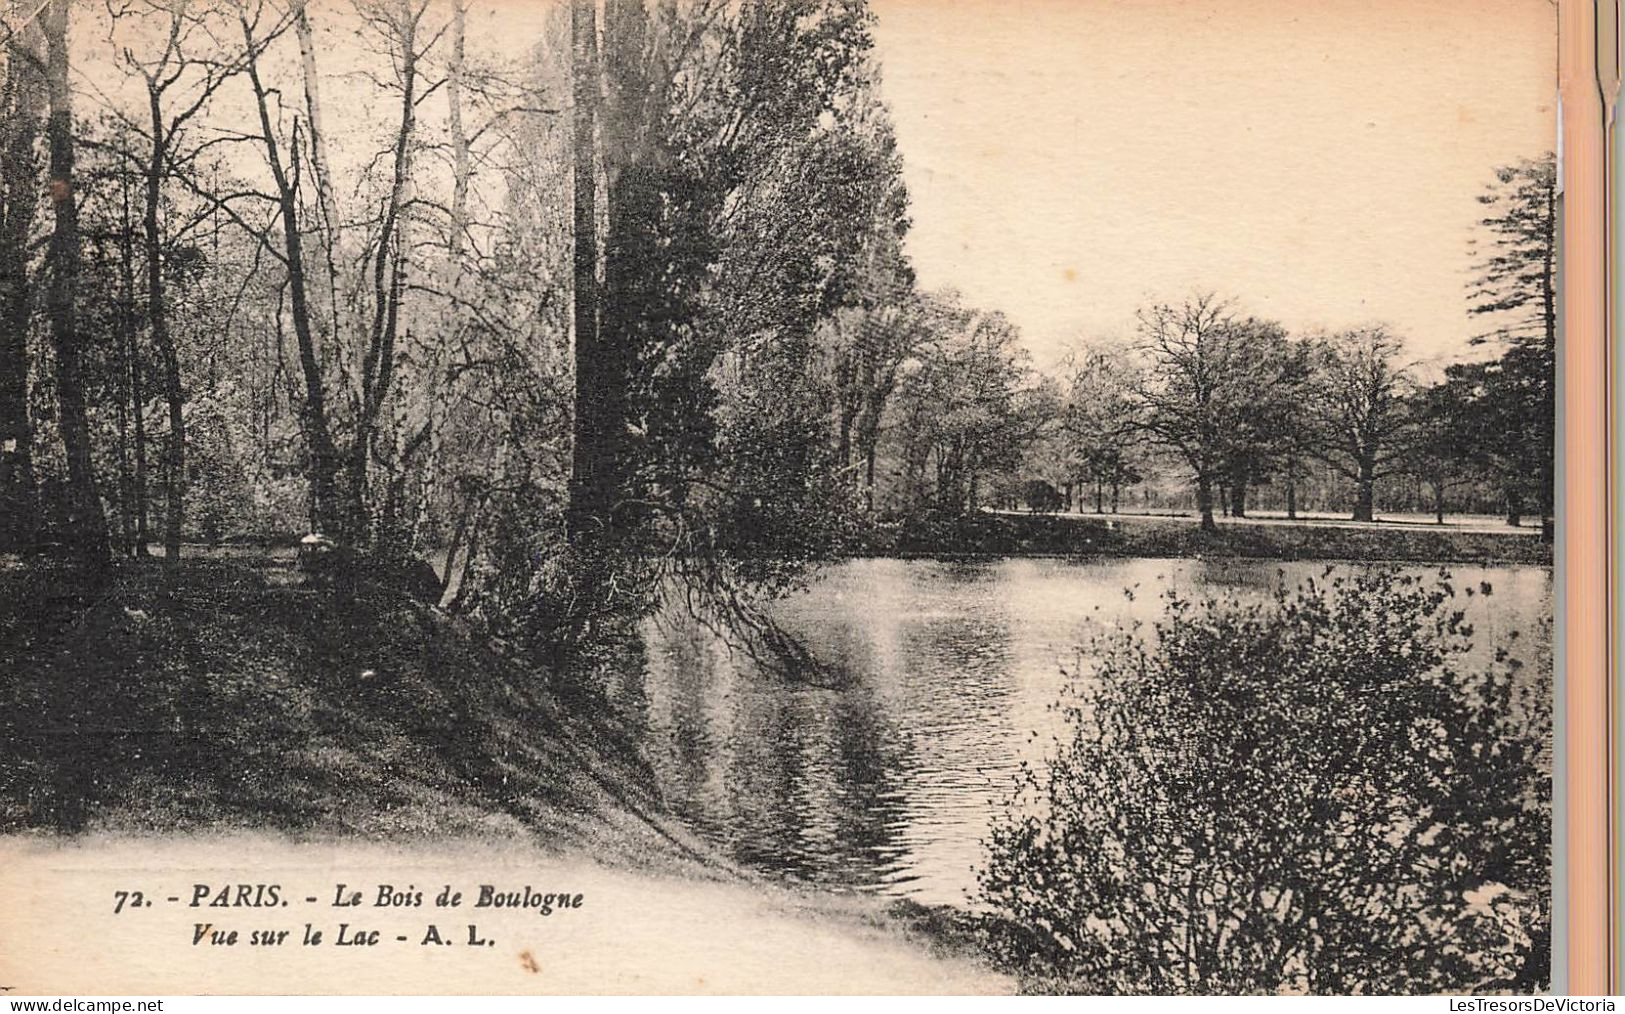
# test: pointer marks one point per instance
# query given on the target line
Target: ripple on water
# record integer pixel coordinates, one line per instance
(889, 783)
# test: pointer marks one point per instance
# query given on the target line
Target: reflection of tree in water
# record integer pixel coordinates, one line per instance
(872, 754)
(775, 826)
(800, 781)
(942, 671)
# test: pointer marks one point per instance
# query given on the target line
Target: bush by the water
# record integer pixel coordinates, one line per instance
(1308, 794)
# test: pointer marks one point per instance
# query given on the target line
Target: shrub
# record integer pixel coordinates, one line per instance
(1299, 795)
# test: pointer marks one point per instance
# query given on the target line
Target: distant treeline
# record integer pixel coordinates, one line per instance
(1208, 400)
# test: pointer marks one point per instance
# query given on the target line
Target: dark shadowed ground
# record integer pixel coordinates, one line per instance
(228, 695)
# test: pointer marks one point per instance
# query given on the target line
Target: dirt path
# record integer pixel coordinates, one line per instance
(634, 932)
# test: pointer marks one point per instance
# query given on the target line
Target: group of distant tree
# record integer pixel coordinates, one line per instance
(1237, 404)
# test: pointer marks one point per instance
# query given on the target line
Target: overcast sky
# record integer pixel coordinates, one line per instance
(1072, 159)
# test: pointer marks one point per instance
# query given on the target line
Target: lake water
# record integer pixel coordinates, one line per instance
(944, 674)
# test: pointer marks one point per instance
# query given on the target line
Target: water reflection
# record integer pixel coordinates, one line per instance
(888, 782)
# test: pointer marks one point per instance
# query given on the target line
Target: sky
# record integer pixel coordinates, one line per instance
(1071, 160)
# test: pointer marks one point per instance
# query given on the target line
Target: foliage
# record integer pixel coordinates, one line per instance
(1508, 412)
(1515, 284)
(1443, 436)
(968, 407)
(1306, 794)
(1516, 290)
(1099, 421)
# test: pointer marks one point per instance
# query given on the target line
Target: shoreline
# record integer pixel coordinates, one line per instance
(985, 536)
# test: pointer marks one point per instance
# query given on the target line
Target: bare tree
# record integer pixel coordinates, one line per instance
(1189, 388)
(379, 287)
(1358, 409)
(400, 23)
(324, 457)
(178, 81)
(86, 520)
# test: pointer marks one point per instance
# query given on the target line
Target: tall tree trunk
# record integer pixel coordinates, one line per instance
(589, 473)
(1438, 499)
(1292, 490)
(465, 513)
(1204, 502)
(843, 435)
(1514, 508)
(126, 396)
(1238, 491)
(869, 477)
(87, 521)
(138, 405)
(326, 202)
(461, 171)
(134, 392)
(134, 378)
(868, 436)
(19, 178)
(126, 497)
(461, 597)
(158, 321)
(388, 276)
(1100, 494)
(325, 509)
(1365, 491)
(1117, 488)
(440, 390)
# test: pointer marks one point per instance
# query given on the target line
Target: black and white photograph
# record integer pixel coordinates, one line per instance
(778, 496)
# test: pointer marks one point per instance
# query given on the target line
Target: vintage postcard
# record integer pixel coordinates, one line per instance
(783, 496)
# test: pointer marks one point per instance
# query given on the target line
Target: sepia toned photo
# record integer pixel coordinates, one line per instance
(778, 496)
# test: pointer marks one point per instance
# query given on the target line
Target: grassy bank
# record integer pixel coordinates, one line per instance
(1139, 536)
(229, 695)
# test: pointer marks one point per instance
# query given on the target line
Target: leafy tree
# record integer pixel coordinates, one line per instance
(866, 350)
(1515, 290)
(1515, 287)
(1306, 794)
(1498, 401)
(1266, 427)
(1443, 438)
(703, 433)
(1099, 423)
(968, 409)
